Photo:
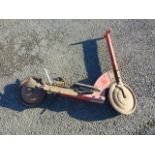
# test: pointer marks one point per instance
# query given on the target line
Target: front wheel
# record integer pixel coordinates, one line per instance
(31, 95)
(122, 98)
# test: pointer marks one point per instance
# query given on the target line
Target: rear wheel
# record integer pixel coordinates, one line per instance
(30, 94)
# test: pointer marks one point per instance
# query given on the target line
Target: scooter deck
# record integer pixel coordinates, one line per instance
(103, 82)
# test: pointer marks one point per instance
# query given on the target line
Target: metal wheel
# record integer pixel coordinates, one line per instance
(122, 98)
(30, 94)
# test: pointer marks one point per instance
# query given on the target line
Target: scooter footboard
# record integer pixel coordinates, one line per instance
(102, 83)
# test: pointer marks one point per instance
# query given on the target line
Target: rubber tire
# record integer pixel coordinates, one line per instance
(110, 95)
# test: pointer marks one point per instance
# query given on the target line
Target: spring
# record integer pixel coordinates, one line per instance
(60, 84)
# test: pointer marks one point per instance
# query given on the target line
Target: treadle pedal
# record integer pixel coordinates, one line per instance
(81, 92)
(88, 87)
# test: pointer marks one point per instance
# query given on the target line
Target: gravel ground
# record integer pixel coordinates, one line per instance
(71, 49)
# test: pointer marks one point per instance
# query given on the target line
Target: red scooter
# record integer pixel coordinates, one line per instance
(121, 97)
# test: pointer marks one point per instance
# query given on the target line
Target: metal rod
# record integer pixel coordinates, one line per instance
(113, 57)
(47, 75)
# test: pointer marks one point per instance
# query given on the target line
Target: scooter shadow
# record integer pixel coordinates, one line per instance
(77, 109)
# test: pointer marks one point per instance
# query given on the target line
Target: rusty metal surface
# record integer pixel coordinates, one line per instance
(30, 93)
(32, 89)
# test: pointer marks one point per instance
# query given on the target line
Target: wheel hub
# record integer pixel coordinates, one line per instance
(30, 94)
(122, 99)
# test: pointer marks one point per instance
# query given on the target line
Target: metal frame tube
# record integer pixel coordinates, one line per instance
(113, 57)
